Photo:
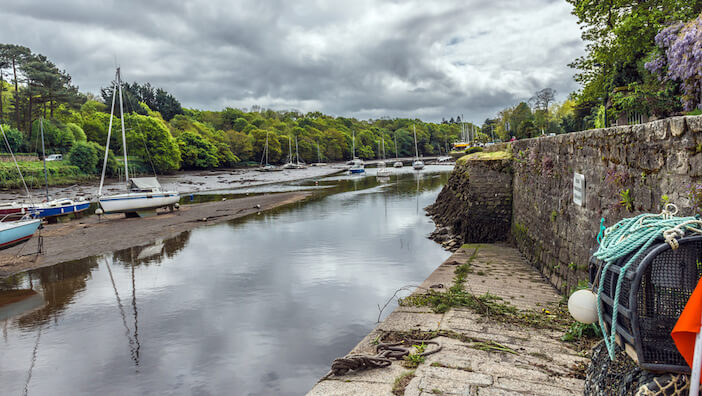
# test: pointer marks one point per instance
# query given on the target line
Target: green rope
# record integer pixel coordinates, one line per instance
(630, 235)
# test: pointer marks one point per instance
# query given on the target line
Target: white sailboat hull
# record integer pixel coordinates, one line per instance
(137, 201)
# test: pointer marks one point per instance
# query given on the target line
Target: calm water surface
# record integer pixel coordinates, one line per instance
(259, 306)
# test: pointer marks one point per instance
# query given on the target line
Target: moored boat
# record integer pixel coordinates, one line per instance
(17, 231)
(144, 194)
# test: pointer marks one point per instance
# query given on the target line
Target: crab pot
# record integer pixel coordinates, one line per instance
(653, 293)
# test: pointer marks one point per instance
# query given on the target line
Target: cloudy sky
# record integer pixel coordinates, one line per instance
(362, 58)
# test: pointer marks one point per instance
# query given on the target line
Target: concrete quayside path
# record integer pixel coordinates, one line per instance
(480, 355)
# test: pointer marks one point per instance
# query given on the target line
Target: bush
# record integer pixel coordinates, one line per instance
(474, 149)
(14, 137)
(84, 155)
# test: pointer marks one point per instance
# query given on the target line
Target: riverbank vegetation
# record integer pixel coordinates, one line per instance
(642, 62)
(167, 137)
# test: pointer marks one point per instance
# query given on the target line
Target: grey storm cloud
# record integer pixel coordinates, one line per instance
(364, 59)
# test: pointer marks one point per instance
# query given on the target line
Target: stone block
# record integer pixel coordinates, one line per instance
(677, 126)
(342, 388)
(694, 123)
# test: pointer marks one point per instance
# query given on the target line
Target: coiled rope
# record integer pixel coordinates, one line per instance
(385, 353)
(636, 234)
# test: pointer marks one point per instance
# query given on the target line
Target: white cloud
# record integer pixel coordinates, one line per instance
(362, 59)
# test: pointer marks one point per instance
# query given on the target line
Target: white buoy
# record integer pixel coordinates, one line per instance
(582, 306)
(99, 211)
(177, 205)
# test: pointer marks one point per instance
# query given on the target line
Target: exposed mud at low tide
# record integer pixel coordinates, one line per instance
(91, 236)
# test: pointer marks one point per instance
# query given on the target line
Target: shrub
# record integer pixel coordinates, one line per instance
(84, 155)
(474, 149)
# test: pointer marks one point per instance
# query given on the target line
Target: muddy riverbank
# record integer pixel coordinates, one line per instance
(92, 236)
(185, 182)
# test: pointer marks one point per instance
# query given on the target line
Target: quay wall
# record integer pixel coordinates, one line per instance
(627, 169)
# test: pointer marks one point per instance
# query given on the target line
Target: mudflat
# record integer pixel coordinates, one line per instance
(92, 236)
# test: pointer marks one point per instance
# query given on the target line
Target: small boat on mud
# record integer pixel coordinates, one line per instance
(144, 194)
(14, 232)
(356, 163)
(417, 164)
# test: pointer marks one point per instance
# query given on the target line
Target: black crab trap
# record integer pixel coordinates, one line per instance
(653, 294)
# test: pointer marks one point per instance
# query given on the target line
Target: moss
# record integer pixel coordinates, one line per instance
(483, 156)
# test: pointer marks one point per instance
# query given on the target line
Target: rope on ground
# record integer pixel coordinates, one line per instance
(635, 235)
(386, 352)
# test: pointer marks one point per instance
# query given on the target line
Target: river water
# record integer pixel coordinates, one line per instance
(258, 306)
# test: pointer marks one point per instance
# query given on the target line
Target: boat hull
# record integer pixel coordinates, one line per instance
(357, 170)
(14, 232)
(60, 210)
(134, 202)
(418, 165)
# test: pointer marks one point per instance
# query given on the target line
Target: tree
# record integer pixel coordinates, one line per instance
(196, 152)
(619, 36)
(14, 137)
(14, 55)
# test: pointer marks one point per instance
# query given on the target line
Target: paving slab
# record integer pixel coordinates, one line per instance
(541, 364)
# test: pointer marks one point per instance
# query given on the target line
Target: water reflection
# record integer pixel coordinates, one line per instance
(257, 306)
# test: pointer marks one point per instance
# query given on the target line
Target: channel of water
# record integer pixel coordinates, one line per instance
(257, 306)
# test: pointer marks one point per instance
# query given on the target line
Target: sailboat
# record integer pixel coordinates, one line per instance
(57, 207)
(319, 158)
(144, 194)
(382, 170)
(293, 164)
(417, 164)
(13, 232)
(356, 163)
(398, 163)
(267, 167)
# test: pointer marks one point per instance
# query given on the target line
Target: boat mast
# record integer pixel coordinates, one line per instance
(396, 156)
(290, 157)
(319, 156)
(416, 151)
(107, 144)
(124, 135)
(297, 153)
(43, 154)
(353, 144)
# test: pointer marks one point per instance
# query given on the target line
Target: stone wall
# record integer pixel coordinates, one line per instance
(476, 203)
(628, 170)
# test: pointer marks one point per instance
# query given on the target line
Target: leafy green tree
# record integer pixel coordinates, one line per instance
(77, 131)
(197, 152)
(619, 36)
(14, 137)
(150, 139)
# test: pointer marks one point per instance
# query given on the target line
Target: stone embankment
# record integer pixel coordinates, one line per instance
(482, 352)
(627, 170)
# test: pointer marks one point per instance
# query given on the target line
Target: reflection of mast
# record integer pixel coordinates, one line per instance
(136, 319)
(34, 360)
(124, 317)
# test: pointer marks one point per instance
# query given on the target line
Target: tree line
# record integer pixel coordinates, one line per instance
(165, 137)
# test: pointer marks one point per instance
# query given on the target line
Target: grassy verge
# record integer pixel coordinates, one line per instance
(59, 173)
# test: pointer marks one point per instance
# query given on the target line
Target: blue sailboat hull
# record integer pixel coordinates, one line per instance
(14, 232)
(60, 210)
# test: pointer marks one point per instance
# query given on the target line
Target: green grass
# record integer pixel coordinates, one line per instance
(483, 156)
(59, 173)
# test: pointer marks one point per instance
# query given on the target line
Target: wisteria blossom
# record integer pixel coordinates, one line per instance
(682, 60)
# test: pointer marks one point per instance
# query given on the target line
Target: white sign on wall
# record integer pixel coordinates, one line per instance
(579, 189)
